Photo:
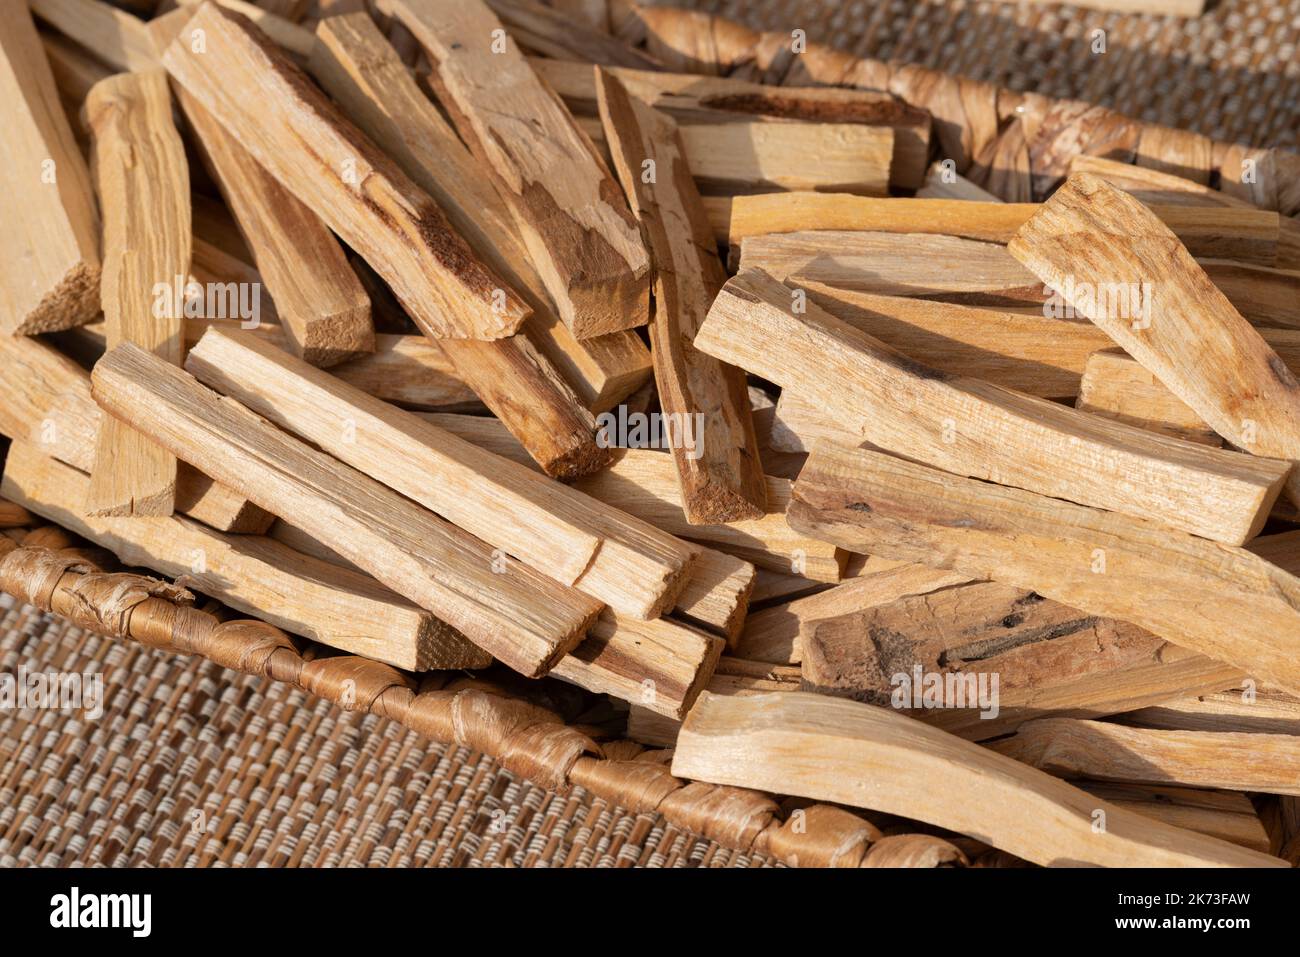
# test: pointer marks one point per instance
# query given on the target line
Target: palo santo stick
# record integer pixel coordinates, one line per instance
(1227, 815)
(1203, 759)
(716, 597)
(659, 664)
(558, 33)
(773, 634)
(1028, 352)
(115, 36)
(363, 73)
(976, 273)
(1048, 659)
(1194, 341)
(411, 371)
(850, 753)
(834, 158)
(144, 189)
(717, 459)
(643, 483)
(295, 39)
(1115, 385)
(576, 224)
(897, 264)
(1154, 187)
(253, 574)
(49, 248)
(343, 178)
(517, 383)
(970, 427)
(1246, 235)
(323, 308)
(46, 401)
(1253, 711)
(692, 99)
(630, 566)
(523, 619)
(1099, 562)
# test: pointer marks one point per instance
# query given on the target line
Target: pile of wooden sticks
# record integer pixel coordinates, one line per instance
(354, 322)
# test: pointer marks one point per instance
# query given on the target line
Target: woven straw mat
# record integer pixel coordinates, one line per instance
(193, 765)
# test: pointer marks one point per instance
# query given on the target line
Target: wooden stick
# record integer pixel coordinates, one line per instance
(324, 310)
(47, 401)
(717, 460)
(1246, 235)
(630, 566)
(1253, 711)
(517, 383)
(144, 189)
(1152, 186)
(1223, 814)
(644, 484)
(661, 665)
(523, 619)
(772, 634)
(575, 223)
(973, 428)
(556, 33)
(295, 40)
(975, 273)
(1111, 752)
(1115, 385)
(364, 74)
(1195, 341)
(716, 597)
(115, 36)
(1025, 351)
(49, 249)
(253, 574)
(693, 100)
(1047, 659)
(1105, 564)
(850, 753)
(344, 178)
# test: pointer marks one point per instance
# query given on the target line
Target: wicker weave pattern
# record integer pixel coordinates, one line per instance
(1232, 74)
(194, 765)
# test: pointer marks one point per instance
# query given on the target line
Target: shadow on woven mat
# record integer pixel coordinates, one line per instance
(191, 764)
(1232, 74)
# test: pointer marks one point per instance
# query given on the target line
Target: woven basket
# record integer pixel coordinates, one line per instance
(71, 794)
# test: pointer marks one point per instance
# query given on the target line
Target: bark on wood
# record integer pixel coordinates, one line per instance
(1099, 562)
